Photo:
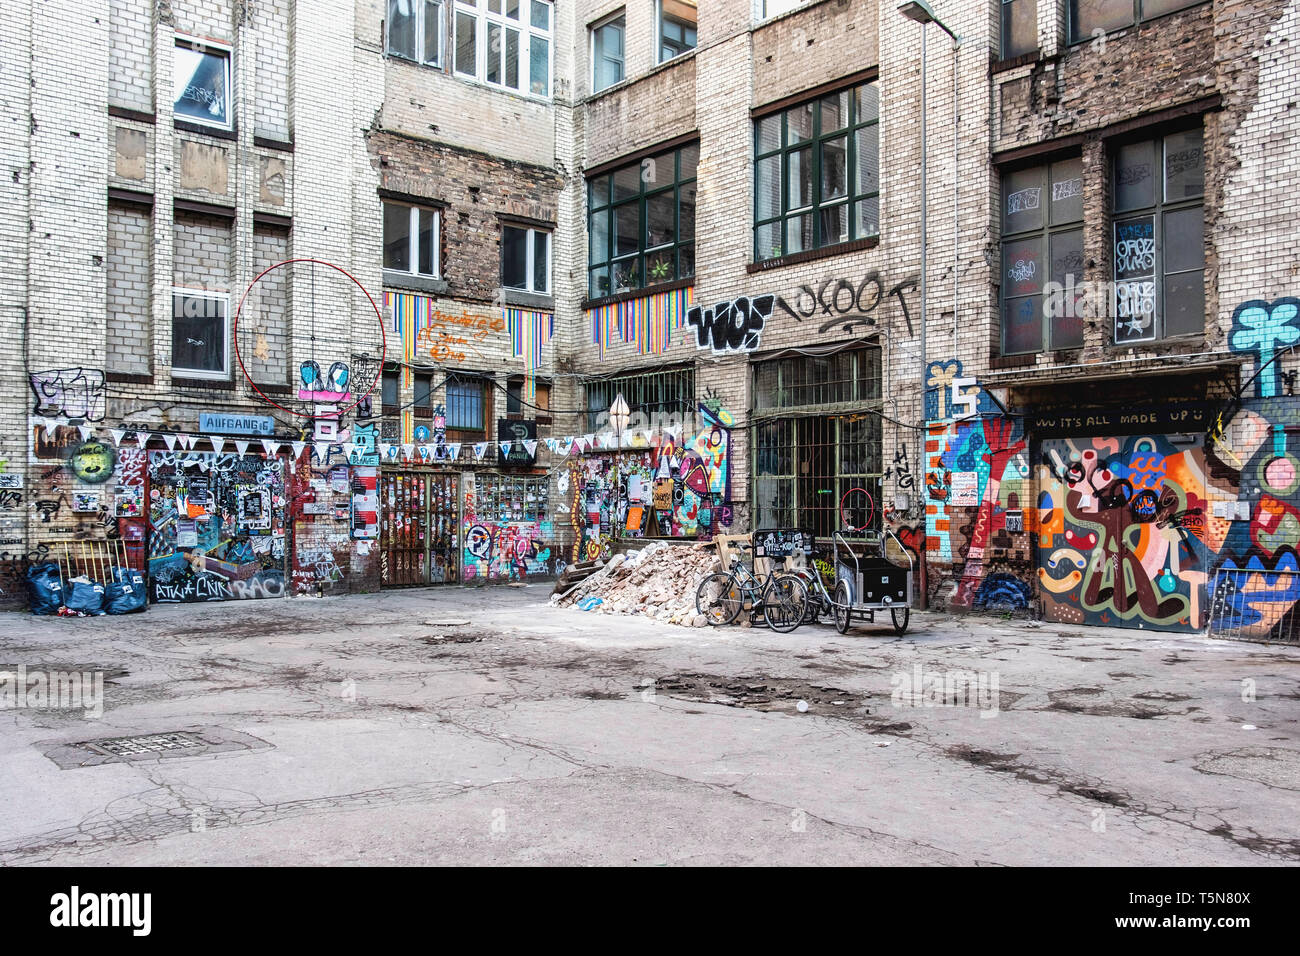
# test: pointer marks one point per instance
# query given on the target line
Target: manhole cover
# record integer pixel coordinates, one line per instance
(197, 742)
(141, 746)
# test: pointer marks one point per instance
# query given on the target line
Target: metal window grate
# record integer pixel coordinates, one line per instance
(663, 392)
(144, 745)
(1255, 605)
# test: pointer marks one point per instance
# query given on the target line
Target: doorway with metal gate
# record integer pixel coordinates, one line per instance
(418, 529)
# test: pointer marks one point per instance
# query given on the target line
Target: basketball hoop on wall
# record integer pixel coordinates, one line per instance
(334, 387)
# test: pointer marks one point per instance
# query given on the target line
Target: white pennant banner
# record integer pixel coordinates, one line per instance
(530, 445)
(297, 447)
(118, 434)
(171, 442)
(271, 447)
(86, 431)
(322, 451)
(480, 449)
(453, 450)
(505, 448)
(242, 448)
(187, 441)
(408, 451)
(218, 443)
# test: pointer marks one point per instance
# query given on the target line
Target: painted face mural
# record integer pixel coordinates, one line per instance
(1122, 529)
(92, 462)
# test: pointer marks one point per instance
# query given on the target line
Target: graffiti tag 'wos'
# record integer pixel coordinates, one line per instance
(735, 326)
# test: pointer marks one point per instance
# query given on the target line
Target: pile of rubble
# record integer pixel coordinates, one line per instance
(659, 581)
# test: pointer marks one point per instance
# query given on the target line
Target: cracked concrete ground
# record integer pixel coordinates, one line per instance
(510, 732)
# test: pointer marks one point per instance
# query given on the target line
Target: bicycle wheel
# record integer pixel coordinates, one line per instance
(900, 626)
(785, 601)
(718, 598)
(843, 602)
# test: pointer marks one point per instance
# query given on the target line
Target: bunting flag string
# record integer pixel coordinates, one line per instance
(453, 450)
(241, 447)
(529, 333)
(218, 443)
(118, 434)
(648, 322)
(480, 449)
(530, 445)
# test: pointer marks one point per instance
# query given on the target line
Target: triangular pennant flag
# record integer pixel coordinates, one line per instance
(242, 448)
(297, 447)
(607, 439)
(386, 449)
(349, 449)
(408, 450)
(453, 450)
(86, 431)
(505, 448)
(322, 451)
(648, 434)
(118, 434)
(218, 443)
(426, 452)
(271, 447)
(550, 444)
(480, 449)
(568, 446)
(171, 442)
(589, 441)
(530, 445)
(187, 441)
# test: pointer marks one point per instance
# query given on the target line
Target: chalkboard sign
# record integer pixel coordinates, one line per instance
(517, 432)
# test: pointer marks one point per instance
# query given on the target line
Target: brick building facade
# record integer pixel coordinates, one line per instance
(711, 209)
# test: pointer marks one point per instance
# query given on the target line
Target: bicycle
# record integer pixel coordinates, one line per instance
(782, 596)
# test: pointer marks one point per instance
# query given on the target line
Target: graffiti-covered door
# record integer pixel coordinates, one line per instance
(216, 527)
(1121, 533)
(418, 529)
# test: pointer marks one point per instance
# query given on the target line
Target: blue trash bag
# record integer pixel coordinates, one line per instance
(86, 597)
(45, 588)
(125, 594)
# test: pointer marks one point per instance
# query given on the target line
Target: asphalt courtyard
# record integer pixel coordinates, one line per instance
(481, 726)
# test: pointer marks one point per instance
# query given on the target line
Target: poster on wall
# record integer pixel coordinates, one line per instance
(965, 489)
(515, 433)
(365, 503)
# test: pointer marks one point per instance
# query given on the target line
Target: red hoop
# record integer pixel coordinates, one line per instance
(871, 511)
(383, 351)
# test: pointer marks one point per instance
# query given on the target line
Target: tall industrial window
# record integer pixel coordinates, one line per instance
(465, 400)
(1019, 27)
(1159, 232)
(817, 173)
(505, 43)
(652, 396)
(816, 435)
(641, 223)
(415, 30)
(678, 23)
(608, 39)
(411, 239)
(1042, 257)
(201, 82)
(1090, 18)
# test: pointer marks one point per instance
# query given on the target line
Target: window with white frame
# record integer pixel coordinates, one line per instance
(201, 81)
(505, 43)
(200, 333)
(678, 23)
(411, 239)
(415, 30)
(526, 259)
(774, 8)
(607, 50)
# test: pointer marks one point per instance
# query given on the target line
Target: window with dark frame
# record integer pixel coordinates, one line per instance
(641, 223)
(465, 403)
(608, 39)
(1019, 28)
(517, 407)
(1157, 197)
(817, 173)
(678, 25)
(526, 259)
(1092, 18)
(411, 239)
(390, 390)
(415, 30)
(422, 399)
(201, 82)
(1042, 243)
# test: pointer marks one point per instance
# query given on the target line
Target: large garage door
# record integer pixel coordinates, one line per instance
(1121, 531)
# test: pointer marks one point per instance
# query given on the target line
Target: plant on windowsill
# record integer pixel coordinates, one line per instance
(624, 281)
(776, 252)
(661, 271)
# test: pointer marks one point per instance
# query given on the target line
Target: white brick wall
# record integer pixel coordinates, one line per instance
(128, 290)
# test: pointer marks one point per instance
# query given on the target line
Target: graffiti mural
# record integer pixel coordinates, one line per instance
(69, 393)
(735, 326)
(216, 527)
(1122, 532)
(506, 536)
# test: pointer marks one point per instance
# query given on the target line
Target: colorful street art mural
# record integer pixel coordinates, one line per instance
(506, 536)
(216, 527)
(1122, 532)
(676, 486)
